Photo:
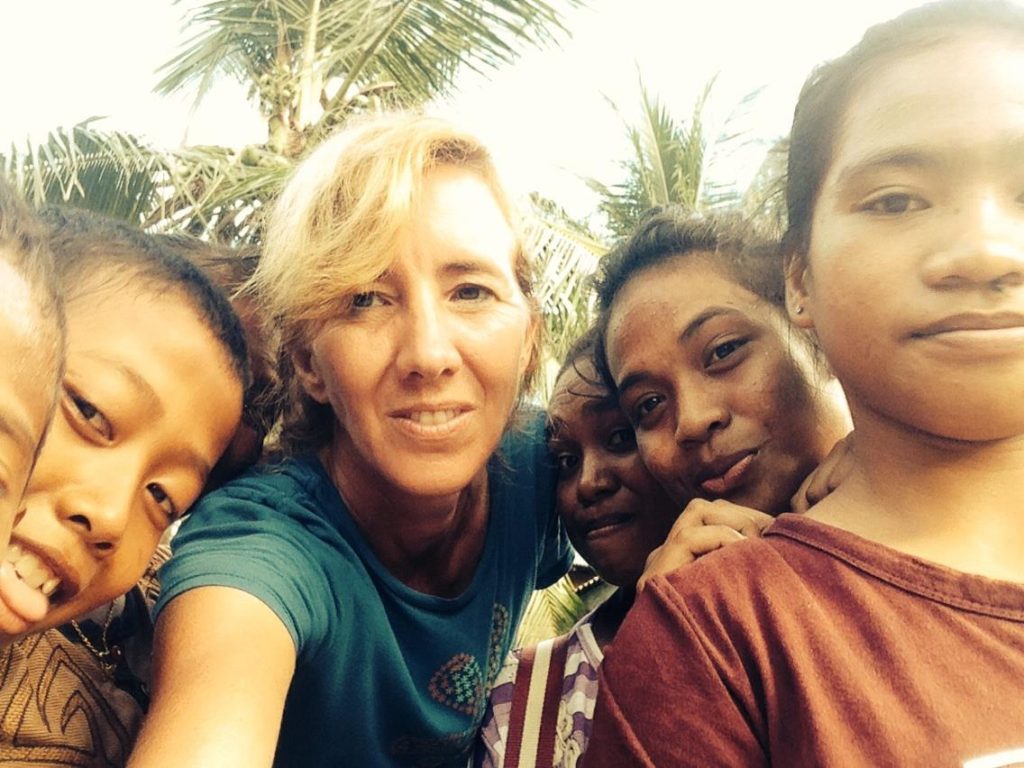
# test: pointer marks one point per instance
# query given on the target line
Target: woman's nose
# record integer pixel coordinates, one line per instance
(427, 343)
(594, 482)
(987, 249)
(699, 413)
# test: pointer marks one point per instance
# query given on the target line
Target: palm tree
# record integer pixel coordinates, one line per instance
(309, 64)
(670, 162)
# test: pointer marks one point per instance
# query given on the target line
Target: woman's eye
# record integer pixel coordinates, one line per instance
(163, 500)
(723, 350)
(472, 293)
(622, 441)
(566, 462)
(364, 300)
(645, 406)
(88, 414)
(896, 203)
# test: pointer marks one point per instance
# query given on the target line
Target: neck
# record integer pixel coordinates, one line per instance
(951, 502)
(429, 543)
(609, 615)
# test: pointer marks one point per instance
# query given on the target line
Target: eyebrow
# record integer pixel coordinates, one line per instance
(687, 333)
(144, 390)
(467, 267)
(898, 158)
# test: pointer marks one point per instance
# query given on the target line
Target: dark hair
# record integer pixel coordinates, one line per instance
(86, 243)
(665, 233)
(825, 96)
(23, 245)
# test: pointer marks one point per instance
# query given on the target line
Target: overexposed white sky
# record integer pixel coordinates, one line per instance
(547, 116)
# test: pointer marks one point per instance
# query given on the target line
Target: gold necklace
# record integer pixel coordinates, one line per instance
(108, 656)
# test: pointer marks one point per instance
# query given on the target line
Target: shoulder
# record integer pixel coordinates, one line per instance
(752, 585)
(295, 487)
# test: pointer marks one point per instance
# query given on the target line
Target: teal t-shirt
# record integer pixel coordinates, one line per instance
(385, 675)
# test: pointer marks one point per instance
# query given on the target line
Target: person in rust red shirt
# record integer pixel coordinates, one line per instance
(885, 626)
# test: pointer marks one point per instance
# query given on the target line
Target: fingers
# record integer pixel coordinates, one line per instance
(703, 527)
(684, 549)
(699, 512)
(826, 477)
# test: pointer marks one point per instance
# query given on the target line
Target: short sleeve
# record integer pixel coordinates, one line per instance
(246, 536)
(665, 698)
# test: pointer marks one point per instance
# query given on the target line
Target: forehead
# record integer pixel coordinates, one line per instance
(458, 213)
(16, 299)
(577, 387)
(657, 303)
(907, 103)
(28, 380)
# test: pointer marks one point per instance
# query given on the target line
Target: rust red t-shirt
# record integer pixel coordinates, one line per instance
(815, 647)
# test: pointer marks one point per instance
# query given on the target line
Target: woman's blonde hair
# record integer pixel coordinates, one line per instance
(337, 226)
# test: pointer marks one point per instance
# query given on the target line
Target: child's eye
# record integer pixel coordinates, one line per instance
(895, 203)
(471, 292)
(163, 501)
(622, 441)
(88, 415)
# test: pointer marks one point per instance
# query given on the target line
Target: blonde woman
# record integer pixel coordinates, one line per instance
(351, 605)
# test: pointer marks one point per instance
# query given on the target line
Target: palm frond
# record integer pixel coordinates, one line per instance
(565, 261)
(359, 45)
(108, 172)
(550, 612)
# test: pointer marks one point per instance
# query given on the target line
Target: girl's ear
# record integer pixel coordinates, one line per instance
(798, 301)
(306, 369)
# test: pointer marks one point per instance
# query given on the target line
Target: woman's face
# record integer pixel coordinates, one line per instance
(422, 367)
(718, 388)
(149, 402)
(613, 509)
(916, 258)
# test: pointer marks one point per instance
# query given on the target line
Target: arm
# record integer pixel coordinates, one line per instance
(223, 662)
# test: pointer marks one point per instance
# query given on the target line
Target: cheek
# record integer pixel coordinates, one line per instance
(565, 497)
(136, 549)
(657, 452)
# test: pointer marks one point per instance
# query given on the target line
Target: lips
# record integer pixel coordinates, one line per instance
(602, 524)
(973, 321)
(724, 474)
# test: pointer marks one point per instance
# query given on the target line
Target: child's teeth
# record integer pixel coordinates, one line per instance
(36, 579)
(31, 570)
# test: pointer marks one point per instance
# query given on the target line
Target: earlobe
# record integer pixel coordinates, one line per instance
(797, 296)
(309, 377)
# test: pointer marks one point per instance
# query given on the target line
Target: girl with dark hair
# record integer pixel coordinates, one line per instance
(728, 400)
(886, 625)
